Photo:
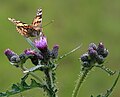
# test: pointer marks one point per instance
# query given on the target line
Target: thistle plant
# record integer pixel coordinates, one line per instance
(45, 60)
(94, 57)
(42, 59)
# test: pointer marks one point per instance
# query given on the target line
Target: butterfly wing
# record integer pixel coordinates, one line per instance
(37, 21)
(24, 29)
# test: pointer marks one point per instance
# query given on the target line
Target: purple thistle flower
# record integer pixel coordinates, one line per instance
(41, 43)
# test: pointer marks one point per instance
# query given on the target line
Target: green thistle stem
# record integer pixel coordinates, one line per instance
(79, 82)
(52, 84)
(110, 72)
(51, 79)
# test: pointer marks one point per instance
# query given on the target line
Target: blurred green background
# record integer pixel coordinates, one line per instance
(75, 22)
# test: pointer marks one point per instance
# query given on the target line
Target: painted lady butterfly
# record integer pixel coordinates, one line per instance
(32, 30)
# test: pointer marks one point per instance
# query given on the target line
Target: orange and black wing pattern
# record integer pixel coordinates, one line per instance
(29, 30)
(37, 21)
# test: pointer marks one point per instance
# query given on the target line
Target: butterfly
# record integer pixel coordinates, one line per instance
(27, 30)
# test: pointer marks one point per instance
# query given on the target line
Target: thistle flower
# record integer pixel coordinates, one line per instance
(41, 43)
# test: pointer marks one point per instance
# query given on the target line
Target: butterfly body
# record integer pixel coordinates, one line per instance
(32, 30)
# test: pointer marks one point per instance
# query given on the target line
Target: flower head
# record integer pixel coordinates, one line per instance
(41, 43)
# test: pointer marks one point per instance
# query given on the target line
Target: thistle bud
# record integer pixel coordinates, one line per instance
(99, 59)
(92, 45)
(54, 52)
(92, 53)
(100, 48)
(12, 57)
(85, 57)
(34, 56)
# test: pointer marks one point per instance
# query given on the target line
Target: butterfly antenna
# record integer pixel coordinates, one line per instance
(48, 23)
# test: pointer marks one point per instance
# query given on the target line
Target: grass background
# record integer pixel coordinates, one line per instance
(75, 22)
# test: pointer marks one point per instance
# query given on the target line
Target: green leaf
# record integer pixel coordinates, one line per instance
(34, 83)
(3, 94)
(25, 77)
(20, 87)
(24, 85)
(15, 87)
